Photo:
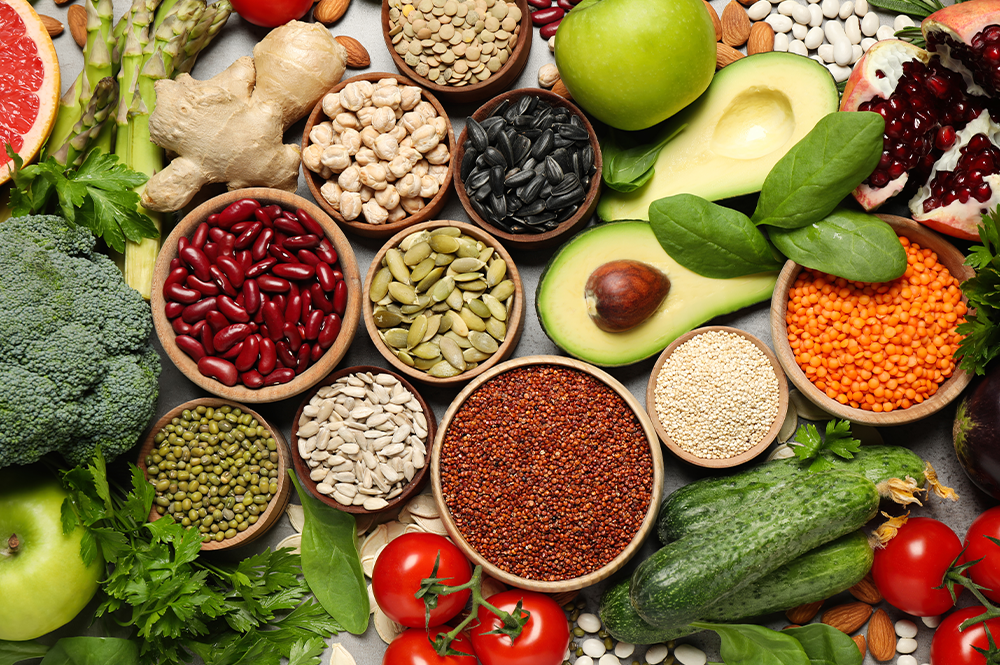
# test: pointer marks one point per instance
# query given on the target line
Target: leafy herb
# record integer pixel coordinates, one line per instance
(15, 652)
(92, 651)
(747, 644)
(981, 344)
(847, 244)
(820, 170)
(331, 563)
(627, 160)
(99, 195)
(709, 239)
(825, 645)
(912, 34)
(919, 8)
(838, 440)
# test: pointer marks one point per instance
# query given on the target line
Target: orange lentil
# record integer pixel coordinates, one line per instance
(877, 346)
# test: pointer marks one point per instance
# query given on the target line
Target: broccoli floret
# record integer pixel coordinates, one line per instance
(77, 369)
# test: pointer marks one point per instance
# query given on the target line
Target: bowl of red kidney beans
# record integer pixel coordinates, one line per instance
(256, 295)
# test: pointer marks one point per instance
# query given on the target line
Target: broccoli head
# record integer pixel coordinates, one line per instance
(77, 369)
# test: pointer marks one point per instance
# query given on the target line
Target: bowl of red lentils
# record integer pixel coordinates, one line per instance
(876, 353)
(547, 472)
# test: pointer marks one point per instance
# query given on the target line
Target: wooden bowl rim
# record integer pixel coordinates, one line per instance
(475, 91)
(278, 502)
(364, 228)
(587, 207)
(317, 370)
(515, 320)
(757, 448)
(409, 490)
(645, 527)
(948, 255)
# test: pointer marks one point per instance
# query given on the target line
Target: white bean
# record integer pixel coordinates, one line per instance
(842, 52)
(839, 73)
(779, 22)
(902, 21)
(814, 38)
(834, 31)
(932, 622)
(780, 42)
(906, 645)
(593, 647)
(906, 660)
(584, 660)
(885, 32)
(687, 654)
(759, 10)
(856, 53)
(846, 9)
(852, 28)
(825, 51)
(867, 43)
(624, 649)
(796, 46)
(609, 659)
(786, 7)
(656, 653)
(589, 622)
(780, 453)
(801, 14)
(815, 16)
(831, 8)
(906, 628)
(799, 31)
(861, 8)
(869, 24)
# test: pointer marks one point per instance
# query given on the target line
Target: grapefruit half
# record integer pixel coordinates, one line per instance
(29, 83)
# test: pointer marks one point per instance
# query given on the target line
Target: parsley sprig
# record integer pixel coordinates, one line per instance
(981, 344)
(838, 440)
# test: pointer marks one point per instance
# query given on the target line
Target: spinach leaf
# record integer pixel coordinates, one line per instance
(710, 239)
(15, 652)
(820, 170)
(331, 564)
(825, 645)
(747, 644)
(92, 651)
(846, 244)
(628, 162)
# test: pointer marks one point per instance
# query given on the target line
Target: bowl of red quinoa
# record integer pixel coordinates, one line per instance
(547, 472)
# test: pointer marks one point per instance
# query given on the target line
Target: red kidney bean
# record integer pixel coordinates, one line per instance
(251, 296)
(308, 241)
(306, 298)
(248, 356)
(247, 237)
(215, 234)
(280, 238)
(307, 257)
(207, 289)
(324, 274)
(289, 226)
(173, 309)
(302, 358)
(180, 326)
(220, 278)
(272, 284)
(279, 376)
(546, 16)
(237, 212)
(548, 30)
(211, 250)
(258, 269)
(319, 299)
(181, 294)
(293, 336)
(230, 335)
(198, 310)
(274, 210)
(219, 369)
(227, 245)
(239, 228)
(199, 236)
(261, 215)
(316, 353)
(280, 301)
(245, 259)
(328, 333)
(540, 4)
(281, 254)
(565, 5)
(182, 243)
(213, 219)
(313, 321)
(176, 276)
(298, 271)
(261, 244)
(206, 336)
(196, 328)
(234, 351)
(196, 260)
(252, 379)
(176, 263)
(268, 356)
(273, 319)
(190, 346)
(253, 327)
(232, 269)
(312, 226)
(232, 311)
(340, 298)
(216, 321)
(326, 252)
(293, 309)
(285, 354)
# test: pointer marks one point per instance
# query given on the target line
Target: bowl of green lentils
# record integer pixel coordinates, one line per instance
(218, 467)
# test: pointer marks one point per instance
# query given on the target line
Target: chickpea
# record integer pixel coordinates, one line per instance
(331, 105)
(331, 192)
(425, 138)
(322, 134)
(368, 136)
(386, 147)
(350, 205)
(373, 176)
(350, 181)
(311, 157)
(428, 186)
(438, 155)
(383, 119)
(347, 121)
(388, 198)
(409, 186)
(411, 205)
(409, 97)
(351, 139)
(335, 157)
(365, 157)
(411, 121)
(387, 96)
(365, 116)
(374, 213)
(396, 214)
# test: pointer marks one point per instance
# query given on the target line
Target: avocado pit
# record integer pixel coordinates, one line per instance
(622, 294)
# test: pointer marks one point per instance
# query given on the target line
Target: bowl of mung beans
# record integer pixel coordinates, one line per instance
(218, 467)
(547, 472)
(876, 353)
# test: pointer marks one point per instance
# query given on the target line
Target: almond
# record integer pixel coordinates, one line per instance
(62, 2)
(726, 55)
(761, 38)
(357, 55)
(52, 26)
(848, 617)
(804, 613)
(330, 11)
(560, 89)
(735, 25)
(860, 641)
(76, 18)
(866, 591)
(715, 20)
(747, 3)
(881, 637)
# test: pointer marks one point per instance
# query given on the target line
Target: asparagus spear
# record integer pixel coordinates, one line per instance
(96, 117)
(204, 32)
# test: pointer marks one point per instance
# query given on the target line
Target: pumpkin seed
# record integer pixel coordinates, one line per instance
(498, 329)
(412, 239)
(495, 307)
(496, 272)
(454, 299)
(386, 319)
(475, 355)
(467, 264)
(443, 259)
(471, 320)
(474, 285)
(503, 290)
(483, 342)
(467, 276)
(469, 250)
(421, 270)
(417, 253)
(453, 231)
(443, 243)
(430, 279)
(380, 285)
(426, 363)
(462, 342)
(446, 320)
(444, 370)
(479, 308)
(440, 307)
(485, 255)
(395, 337)
(458, 325)
(433, 323)
(402, 293)
(405, 358)
(452, 353)
(417, 330)
(426, 351)
(442, 289)
(394, 260)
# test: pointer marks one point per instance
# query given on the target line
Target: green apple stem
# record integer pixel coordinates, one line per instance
(12, 544)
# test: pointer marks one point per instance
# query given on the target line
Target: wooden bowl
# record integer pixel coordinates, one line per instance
(500, 80)
(276, 507)
(948, 255)
(317, 370)
(411, 489)
(571, 225)
(359, 226)
(515, 321)
(723, 463)
(538, 585)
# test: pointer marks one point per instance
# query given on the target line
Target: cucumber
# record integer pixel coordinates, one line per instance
(816, 575)
(677, 583)
(702, 502)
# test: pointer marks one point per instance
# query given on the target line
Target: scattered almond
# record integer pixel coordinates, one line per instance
(866, 591)
(735, 24)
(330, 11)
(761, 38)
(52, 26)
(747, 3)
(560, 89)
(804, 613)
(715, 20)
(76, 18)
(63, 2)
(726, 55)
(860, 641)
(848, 617)
(881, 636)
(357, 55)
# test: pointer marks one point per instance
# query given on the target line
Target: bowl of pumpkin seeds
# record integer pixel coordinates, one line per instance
(443, 302)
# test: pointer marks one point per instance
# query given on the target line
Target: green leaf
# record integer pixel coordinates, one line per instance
(847, 244)
(710, 239)
(627, 164)
(825, 645)
(839, 439)
(981, 344)
(307, 652)
(15, 652)
(808, 436)
(820, 170)
(92, 651)
(331, 564)
(747, 644)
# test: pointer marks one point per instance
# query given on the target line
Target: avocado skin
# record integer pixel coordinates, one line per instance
(976, 433)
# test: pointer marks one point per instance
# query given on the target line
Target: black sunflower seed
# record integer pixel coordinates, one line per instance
(476, 134)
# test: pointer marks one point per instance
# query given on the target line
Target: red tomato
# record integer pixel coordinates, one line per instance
(913, 563)
(543, 640)
(978, 546)
(413, 647)
(401, 567)
(953, 647)
(271, 13)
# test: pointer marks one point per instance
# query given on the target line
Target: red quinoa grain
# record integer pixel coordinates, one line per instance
(547, 472)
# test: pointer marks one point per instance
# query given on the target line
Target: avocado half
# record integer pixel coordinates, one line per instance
(753, 112)
(691, 300)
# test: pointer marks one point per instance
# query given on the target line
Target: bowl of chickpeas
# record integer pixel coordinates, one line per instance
(876, 353)
(377, 154)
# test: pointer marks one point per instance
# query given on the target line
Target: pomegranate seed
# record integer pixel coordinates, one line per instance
(993, 34)
(879, 179)
(949, 198)
(930, 203)
(937, 86)
(992, 53)
(945, 138)
(896, 169)
(894, 128)
(885, 160)
(978, 143)
(983, 193)
(984, 164)
(963, 195)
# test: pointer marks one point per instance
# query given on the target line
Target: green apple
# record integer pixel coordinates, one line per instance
(634, 63)
(43, 580)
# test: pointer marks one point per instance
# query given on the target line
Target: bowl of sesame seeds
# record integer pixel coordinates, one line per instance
(547, 473)
(717, 397)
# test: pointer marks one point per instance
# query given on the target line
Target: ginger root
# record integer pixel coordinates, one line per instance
(230, 128)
